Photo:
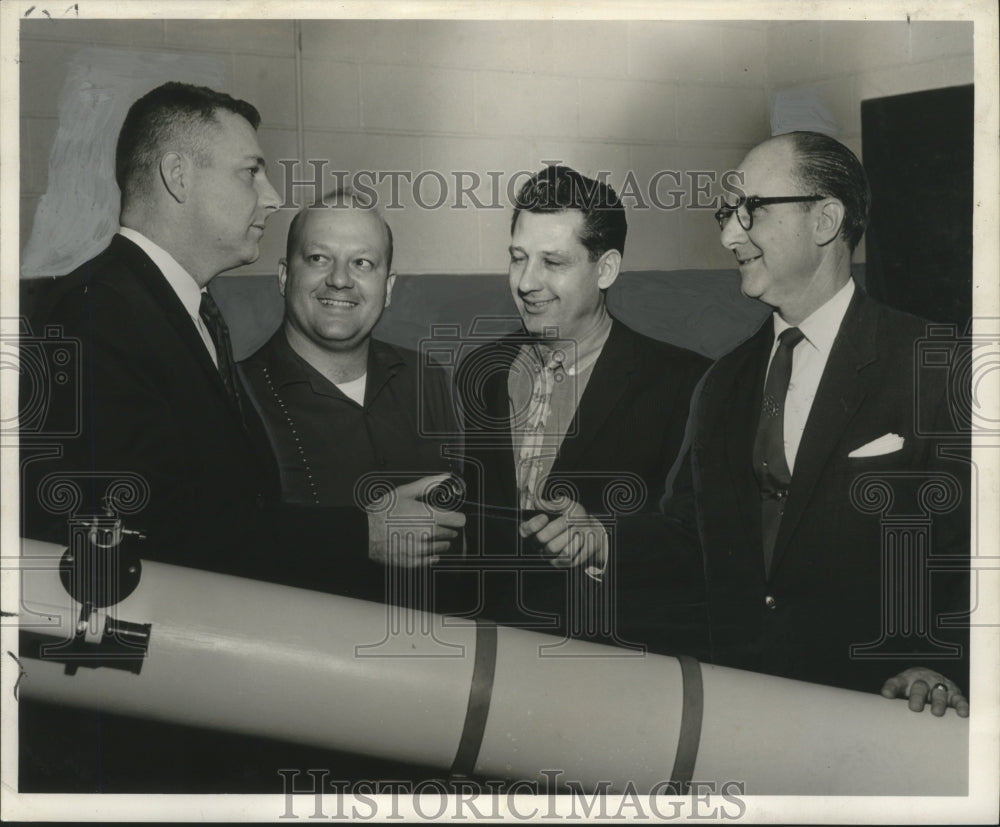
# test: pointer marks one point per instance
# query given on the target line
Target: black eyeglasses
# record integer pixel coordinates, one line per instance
(744, 208)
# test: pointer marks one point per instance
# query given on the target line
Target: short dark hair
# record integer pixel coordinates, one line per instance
(559, 188)
(825, 166)
(169, 112)
(336, 200)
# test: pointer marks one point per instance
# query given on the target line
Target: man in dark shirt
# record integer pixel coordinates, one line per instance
(344, 411)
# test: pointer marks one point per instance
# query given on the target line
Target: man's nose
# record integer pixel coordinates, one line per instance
(267, 197)
(528, 279)
(340, 275)
(733, 234)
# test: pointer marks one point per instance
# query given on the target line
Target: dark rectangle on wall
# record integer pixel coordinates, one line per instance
(918, 152)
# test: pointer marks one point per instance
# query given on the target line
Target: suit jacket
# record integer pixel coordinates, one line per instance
(153, 405)
(627, 433)
(847, 520)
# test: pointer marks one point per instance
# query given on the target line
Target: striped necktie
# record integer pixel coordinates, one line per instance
(533, 444)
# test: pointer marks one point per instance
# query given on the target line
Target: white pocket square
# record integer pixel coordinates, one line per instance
(885, 444)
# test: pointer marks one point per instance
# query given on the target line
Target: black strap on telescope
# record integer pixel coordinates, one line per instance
(691, 715)
(480, 694)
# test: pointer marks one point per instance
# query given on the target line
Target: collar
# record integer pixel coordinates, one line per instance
(179, 279)
(821, 326)
(289, 367)
(588, 348)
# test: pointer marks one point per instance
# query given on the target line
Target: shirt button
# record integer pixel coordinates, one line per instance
(769, 601)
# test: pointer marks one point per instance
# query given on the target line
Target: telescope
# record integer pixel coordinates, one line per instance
(203, 649)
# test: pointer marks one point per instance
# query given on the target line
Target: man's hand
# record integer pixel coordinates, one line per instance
(921, 686)
(404, 530)
(574, 538)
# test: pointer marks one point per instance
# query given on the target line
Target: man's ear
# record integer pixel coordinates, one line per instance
(389, 282)
(175, 172)
(830, 219)
(282, 275)
(608, 267)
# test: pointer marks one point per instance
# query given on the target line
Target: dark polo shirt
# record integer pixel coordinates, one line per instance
(326, 442)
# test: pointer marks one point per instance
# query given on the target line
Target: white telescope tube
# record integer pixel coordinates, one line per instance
(261, 659)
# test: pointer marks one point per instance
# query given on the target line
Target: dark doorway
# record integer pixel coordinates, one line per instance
(918, 155)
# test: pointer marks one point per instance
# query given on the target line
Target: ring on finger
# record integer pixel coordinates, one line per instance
(936, 686)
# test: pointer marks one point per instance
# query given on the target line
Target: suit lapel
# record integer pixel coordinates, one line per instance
(742, 412)
(609, 379)
(148, 275)
(841, 391)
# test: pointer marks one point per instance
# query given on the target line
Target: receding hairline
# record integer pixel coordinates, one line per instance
(794, 168)
(787, 139)
(776, 141)
(293, 239)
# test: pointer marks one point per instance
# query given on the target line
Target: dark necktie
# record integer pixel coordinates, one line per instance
(212, 316)
(769, 463)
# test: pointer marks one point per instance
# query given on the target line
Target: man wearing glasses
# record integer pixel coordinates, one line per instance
(798, 435)
(823, 394)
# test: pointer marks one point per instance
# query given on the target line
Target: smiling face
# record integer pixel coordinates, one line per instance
(336, 282)
(552, 278)
(230, 197)
(778, 257)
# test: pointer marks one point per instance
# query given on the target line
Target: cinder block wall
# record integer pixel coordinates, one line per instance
(847, 62)
(464, 96)
(482, 97)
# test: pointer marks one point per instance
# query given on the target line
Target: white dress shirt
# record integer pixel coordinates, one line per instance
(179, 279)
(808, 363)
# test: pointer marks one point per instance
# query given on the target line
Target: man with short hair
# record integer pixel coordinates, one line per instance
(577, 407)
(340, 406)
(163, 399)
(798, 434)
(166, 430)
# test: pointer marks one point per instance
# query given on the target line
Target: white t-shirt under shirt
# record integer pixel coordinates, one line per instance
(355, 389)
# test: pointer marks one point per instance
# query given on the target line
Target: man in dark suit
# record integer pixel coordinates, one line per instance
(163, 400)
(167, 436)
(811, 488)
(576, 408)
(816, 602)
